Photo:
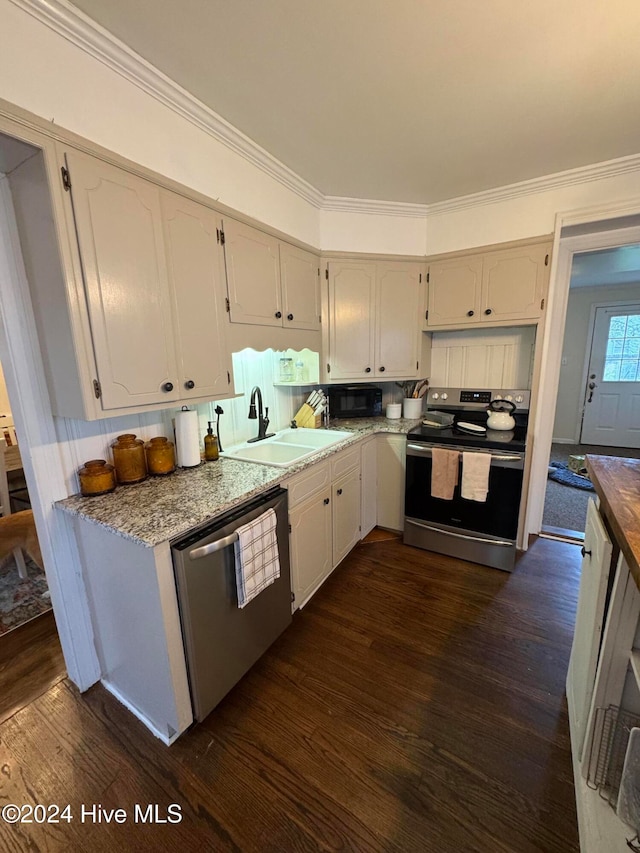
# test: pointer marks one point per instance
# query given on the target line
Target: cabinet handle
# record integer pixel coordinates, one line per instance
(326, 501)
(367, 370)
(168, 386)
(470, 313)
(339, 491)
(382, 370)
(488, 311)
(189, 384)
(278, 314)
(585, 553)
(289, 316)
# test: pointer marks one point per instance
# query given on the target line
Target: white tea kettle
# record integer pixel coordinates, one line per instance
(500, 414)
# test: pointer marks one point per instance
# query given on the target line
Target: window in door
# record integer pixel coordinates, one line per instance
(622, 359)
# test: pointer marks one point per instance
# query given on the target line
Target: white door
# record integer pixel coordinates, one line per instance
(398, 320)
(351, 313)
(346, 515)
(589, 621)
(253, 275)
(310, 545)
(299, 275)
(195, 273)
(612, 401)
(119, 229)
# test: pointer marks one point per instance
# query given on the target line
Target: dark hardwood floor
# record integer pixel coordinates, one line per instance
(416, 704)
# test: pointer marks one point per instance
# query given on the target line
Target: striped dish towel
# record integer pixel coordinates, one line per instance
(257, 560)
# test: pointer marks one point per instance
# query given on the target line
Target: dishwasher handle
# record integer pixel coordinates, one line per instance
(212, 547)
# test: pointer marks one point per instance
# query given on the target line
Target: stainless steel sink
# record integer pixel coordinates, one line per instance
(286, 447)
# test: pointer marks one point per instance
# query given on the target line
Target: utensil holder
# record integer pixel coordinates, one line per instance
(412, 407)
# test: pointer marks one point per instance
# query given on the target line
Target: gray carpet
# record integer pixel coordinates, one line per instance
(566, 506)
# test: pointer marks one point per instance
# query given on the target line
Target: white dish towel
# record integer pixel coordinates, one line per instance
(475, 476)
(256, 557)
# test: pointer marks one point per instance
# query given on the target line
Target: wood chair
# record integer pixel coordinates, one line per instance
(5, 507)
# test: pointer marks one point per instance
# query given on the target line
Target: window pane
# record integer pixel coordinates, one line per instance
(631, 348)
(617, 327)
(615, 347)
(633, 326)
(628, 370)
(611, 370)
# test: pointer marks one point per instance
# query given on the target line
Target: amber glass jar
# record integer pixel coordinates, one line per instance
(97, 477)
(161, 456)
(129, 459)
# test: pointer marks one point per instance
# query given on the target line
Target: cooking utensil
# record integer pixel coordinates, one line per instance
(499, 414)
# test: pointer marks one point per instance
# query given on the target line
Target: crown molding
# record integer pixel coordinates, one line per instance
(80, 30)
(374, 207)
(73, 25)
(580, 175)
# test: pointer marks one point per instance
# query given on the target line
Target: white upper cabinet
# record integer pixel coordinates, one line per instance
(196, 276)
(498, 286)
(253, 275)
(299, 274)
(118, 223)
(397, 311)
(374, 311)
(514, 282)
(454, 291)
(270, 283)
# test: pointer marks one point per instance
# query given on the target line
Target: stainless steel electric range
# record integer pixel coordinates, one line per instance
(482, 532)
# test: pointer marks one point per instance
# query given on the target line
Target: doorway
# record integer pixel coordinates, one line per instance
(598, 400)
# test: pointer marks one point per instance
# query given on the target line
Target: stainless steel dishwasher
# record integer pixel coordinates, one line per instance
(221, 641)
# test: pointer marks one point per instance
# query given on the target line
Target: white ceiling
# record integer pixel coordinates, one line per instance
(404, 100)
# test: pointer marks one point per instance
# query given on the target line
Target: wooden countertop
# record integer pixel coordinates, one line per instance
(617, 484)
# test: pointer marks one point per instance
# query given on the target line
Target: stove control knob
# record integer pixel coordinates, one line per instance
(519, 398)
(498, 397)
(435, 396)
(509, 398)
(445, 396)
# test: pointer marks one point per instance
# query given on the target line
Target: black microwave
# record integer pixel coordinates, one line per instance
(355, 401)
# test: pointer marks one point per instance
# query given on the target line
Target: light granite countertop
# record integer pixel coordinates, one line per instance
(162, 508)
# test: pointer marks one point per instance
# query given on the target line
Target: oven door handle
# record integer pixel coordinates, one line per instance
(505, 543)
(426, 451)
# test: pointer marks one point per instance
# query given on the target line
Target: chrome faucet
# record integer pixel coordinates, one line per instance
(263, 420)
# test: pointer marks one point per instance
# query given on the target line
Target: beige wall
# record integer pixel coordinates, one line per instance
(571, 390)
(5, 407)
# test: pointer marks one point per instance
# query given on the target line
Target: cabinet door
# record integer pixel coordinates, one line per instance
(596, 564)
(454, 291)
(299, 277)
(368, 484)
(351, 312)
(391, 463)
(346, 515)
(513, 283)
(119, 229)
(253, 275)
(194, 263)
(398, 320)
(310, 545)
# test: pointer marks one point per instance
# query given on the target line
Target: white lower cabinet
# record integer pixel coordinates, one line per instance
(391, 454)
(368, 486)
(324, 517)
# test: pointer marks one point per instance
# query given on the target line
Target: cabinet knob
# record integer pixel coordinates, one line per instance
(168, 386)
(278, 314)
(339, 491)
(585, 553)
(326, 501)
(382, 370)
(470, 313)
(488, 311)
(189, 384)
(289, 316)
(367, 370)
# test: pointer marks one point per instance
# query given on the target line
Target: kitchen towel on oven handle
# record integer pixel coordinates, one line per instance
(444, 472)
(256, 556)
(475, 476)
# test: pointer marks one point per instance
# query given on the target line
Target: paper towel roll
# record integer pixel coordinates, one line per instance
(187, 438)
